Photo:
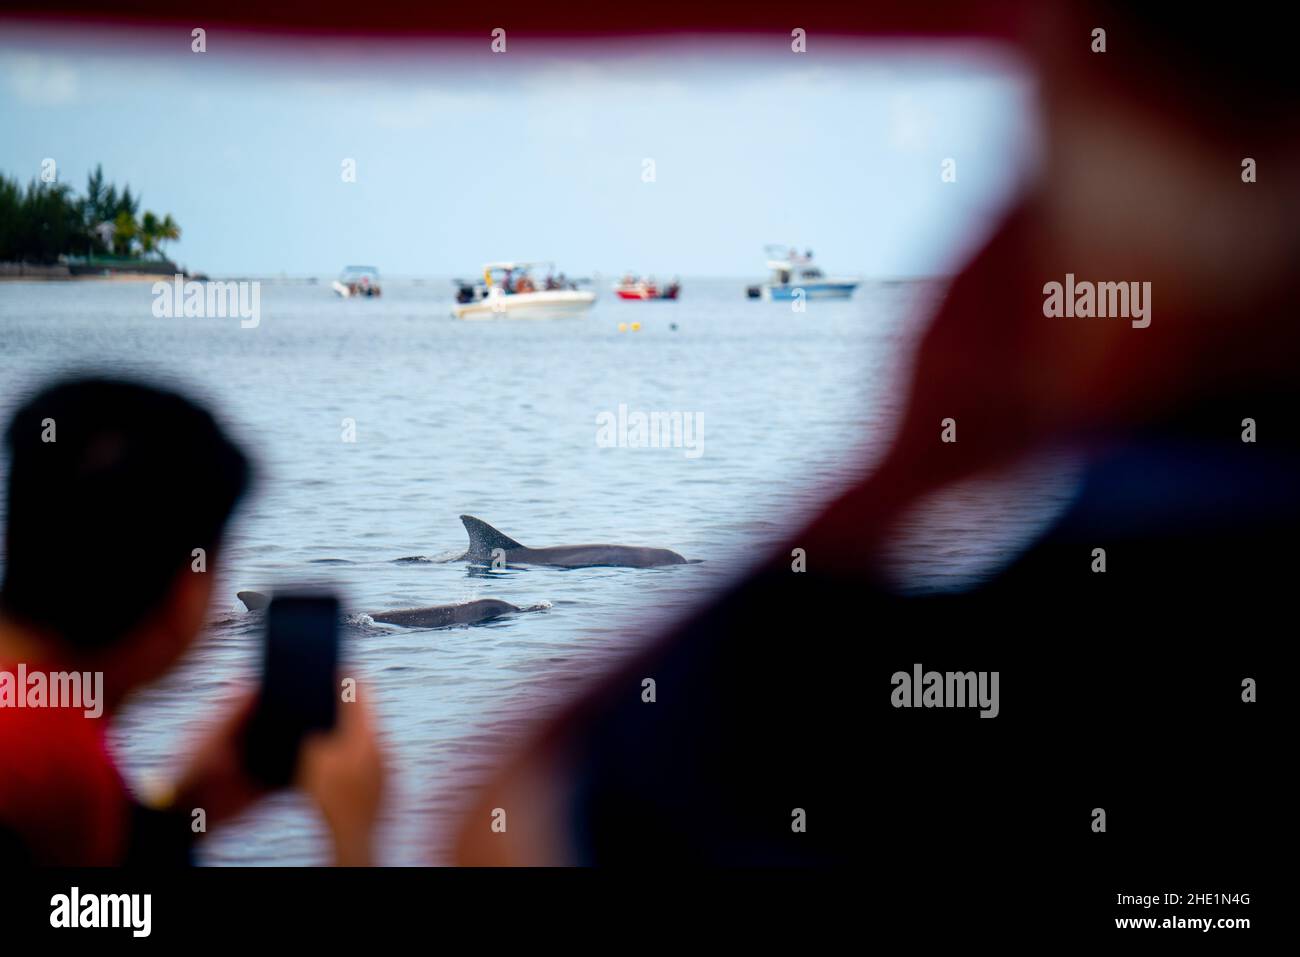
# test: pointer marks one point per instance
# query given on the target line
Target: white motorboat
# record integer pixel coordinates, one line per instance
(508, 290)
(358, 281)
(795, 275)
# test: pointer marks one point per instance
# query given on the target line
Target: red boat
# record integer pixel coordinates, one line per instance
(633, 288)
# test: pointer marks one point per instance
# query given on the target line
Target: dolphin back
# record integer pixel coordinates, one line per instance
(439, 616)
(596, 556)
(483, 538)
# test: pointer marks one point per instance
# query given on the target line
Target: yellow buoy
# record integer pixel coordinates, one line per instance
(636, 327)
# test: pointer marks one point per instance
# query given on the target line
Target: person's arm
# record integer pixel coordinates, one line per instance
(342, 771)
(214, 779)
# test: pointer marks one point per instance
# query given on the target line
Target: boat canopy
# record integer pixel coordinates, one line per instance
(786, 257)
(513, 266)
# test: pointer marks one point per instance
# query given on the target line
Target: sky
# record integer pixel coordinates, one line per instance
(463, 156)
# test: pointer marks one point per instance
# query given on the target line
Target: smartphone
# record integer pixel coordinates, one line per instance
(300, 690)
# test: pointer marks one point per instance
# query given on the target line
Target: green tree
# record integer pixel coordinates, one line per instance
(94, 209)
(125, 232)
(11, 212)
(46, 221)
(149, 225)
(127, 203)
(168, 231)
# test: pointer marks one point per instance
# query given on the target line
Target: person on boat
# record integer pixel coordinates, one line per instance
(150, 478)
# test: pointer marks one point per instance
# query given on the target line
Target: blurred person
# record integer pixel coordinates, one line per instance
(767, 738)
(112, 487)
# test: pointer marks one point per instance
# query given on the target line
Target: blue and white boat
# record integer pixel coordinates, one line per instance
(794, 272)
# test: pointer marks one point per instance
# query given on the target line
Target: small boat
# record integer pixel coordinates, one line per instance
(357, 281)
(792, 272)
(509, 291)
(630, 287)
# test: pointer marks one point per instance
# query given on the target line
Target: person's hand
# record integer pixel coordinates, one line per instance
(343, 772)
(214, 778)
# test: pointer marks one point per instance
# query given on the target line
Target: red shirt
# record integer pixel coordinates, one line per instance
(60, 793)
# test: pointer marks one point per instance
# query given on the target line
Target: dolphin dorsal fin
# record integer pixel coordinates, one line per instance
(253, 600)
(483, 538)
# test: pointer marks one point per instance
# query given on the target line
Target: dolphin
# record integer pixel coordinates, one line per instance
(484, 540)
(434, 616)
(253, 600)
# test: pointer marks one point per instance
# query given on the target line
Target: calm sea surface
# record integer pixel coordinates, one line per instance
(498, 420)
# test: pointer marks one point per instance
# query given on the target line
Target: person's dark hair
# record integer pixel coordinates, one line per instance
(112, 485)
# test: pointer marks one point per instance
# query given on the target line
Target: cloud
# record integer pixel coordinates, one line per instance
(39, 80)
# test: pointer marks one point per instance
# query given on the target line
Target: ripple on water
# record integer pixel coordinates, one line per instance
(782, 404)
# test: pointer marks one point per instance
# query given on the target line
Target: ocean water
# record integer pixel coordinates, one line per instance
(499, 420)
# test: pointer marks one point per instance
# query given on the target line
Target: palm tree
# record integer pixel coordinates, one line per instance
(168, 231)
(46, 221)
(149, 227)
(125, 231)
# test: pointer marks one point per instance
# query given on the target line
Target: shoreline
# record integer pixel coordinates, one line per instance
(127, 271)
(122, 277)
